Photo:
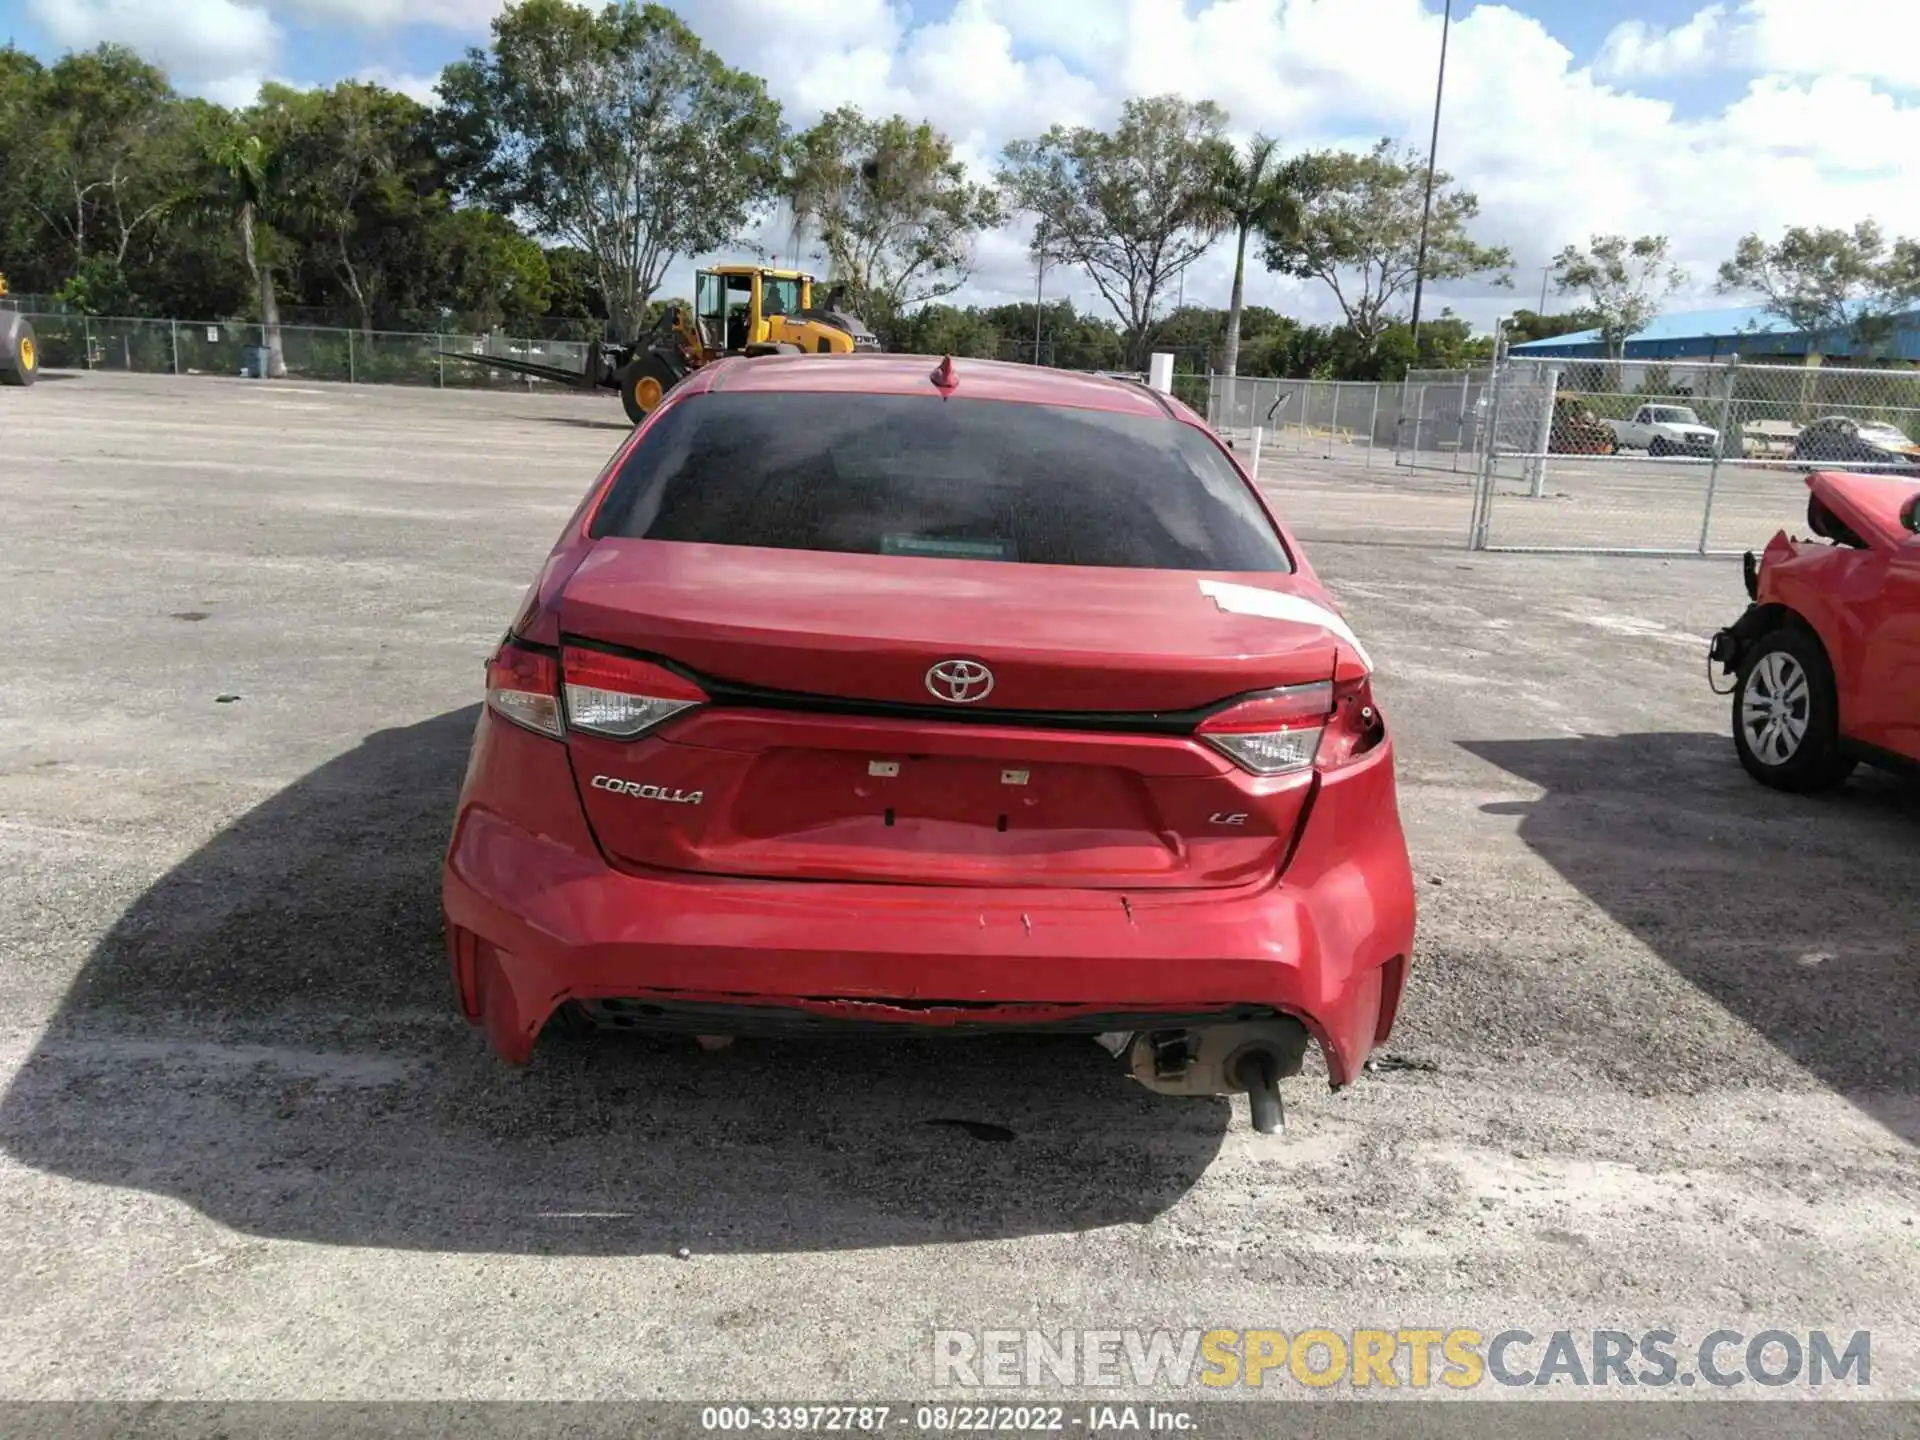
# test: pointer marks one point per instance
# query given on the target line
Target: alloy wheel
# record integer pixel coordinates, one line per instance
(1777, 708)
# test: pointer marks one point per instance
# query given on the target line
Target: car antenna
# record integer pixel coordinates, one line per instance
(944, 380)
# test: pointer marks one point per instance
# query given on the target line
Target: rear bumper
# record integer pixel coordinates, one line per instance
(536, 918)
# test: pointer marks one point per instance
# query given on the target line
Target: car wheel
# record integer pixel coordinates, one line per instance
(1786, 714)
(1659, 448)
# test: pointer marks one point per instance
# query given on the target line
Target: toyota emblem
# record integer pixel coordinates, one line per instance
(960, 682)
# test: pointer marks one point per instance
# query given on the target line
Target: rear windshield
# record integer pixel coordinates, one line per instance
(965, 479)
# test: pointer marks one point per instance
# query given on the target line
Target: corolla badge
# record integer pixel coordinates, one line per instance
(634, 788)
(960, 682)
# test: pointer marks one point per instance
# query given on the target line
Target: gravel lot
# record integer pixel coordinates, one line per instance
(1661, 1029)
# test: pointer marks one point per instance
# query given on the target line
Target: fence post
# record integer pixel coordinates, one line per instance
(440, 362)
(1488, 469)
(1258, 432)
(1459, 433)
(175, 325)
(1543, 434)
(1720, 449)
(1373, 424)
(1419, 418)
(86, 340)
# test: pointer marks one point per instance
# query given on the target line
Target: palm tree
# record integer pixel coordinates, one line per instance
(1254, 193)
(243, 168)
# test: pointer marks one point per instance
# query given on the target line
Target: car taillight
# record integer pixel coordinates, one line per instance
(524, 686)
(621, 697)
(1274, 733)
(1325, 723)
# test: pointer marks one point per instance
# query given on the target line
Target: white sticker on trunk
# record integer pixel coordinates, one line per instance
(1277, 605)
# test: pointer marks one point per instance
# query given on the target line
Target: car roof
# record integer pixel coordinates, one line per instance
(890, 374)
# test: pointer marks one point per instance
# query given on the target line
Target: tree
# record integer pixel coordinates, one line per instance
(238, 184)
(1832, 285)
(360, 190)
(573, 291)
(1525, 325)
(948, 330)
(1065, 337)
(1251, 193)
(91, 143)
(1359, 232)
(616, 132)
(493, 275)
(1626, 283)
(895, 212)
(1133, 208)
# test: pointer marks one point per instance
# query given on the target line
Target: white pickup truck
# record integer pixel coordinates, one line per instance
(1665, 430)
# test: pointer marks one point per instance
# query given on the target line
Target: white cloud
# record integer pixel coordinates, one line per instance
(467, 15)
(1635, 50)
(202, 43)
(1872, 39)
(418, 87)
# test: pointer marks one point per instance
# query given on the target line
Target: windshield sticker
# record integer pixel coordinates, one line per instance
(939, 549)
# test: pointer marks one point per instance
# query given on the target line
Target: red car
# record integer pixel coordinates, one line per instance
(1826, 659)
(889, 693)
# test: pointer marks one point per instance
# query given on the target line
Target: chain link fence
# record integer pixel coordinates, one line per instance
(1325, 419)
(379, 357)
(1616, 457)
(1669, 457)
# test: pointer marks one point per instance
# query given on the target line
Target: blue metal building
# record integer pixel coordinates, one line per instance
(1746, 331)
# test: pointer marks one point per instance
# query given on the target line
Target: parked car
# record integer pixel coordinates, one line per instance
(1826, 659)
(1665, 430)
(940, 696)
(1576, 430)
(1843, 440)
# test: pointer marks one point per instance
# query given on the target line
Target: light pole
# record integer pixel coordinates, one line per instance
(1433, 147)
(1039, 279)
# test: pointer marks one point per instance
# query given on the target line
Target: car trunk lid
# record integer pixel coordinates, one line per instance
(835, 749)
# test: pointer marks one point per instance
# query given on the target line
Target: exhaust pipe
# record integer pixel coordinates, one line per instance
(1250, 1057)
(1258, 1073)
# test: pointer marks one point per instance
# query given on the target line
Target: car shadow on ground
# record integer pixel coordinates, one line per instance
(1799, 915)
(268, 1035)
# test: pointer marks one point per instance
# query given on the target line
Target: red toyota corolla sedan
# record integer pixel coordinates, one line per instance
(883, 692)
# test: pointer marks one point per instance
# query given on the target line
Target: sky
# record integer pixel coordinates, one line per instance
(1568, 118)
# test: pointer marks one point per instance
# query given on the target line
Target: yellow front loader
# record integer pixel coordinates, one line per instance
(737, 310)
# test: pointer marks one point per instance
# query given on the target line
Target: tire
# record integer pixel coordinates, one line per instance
(1658, 447)
(1786, 714)
(19, 352)
(644, 383)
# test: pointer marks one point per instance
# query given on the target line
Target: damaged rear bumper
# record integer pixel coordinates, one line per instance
(536, 918)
